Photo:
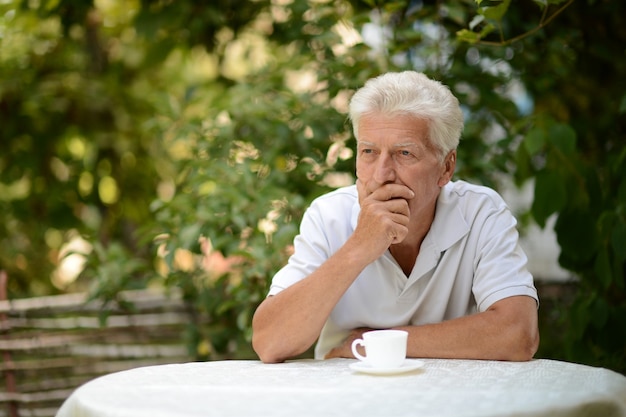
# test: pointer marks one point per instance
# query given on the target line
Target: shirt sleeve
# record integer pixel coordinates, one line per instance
(311, 250)
(500, 264)
(325, 226)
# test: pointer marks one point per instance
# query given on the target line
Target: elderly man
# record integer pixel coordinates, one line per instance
(404, 248)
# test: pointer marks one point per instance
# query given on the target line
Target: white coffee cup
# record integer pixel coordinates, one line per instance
(383, 348)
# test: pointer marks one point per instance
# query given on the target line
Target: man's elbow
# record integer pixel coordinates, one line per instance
(276, 348)
(533, 344)
(269, 346)
(265, 352)
(519, 331)
(263, 341)
(526, 345)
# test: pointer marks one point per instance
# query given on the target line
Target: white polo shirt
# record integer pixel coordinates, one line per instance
(469, 259)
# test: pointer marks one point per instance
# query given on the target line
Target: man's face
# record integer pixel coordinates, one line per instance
(396, 149)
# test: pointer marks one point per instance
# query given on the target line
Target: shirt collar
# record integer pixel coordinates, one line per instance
(449, 225)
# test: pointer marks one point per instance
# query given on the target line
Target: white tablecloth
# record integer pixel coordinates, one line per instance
(330, 388)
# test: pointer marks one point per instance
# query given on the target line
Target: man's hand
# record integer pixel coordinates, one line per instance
(384, 216)
(344, 350)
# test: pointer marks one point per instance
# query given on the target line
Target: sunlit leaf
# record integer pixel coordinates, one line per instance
(477, 20)
(495, 10)
(188, 236)
(465, 35)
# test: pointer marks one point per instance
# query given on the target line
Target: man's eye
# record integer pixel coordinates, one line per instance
(405, 153)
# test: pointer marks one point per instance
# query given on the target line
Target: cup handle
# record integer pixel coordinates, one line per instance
(356, 354)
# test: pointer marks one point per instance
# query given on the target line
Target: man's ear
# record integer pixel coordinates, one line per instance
(448, 167)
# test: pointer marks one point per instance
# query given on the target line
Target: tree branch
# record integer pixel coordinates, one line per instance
(543, 23)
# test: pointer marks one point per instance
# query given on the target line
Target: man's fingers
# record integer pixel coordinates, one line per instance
(392, 191)
(398, 230)
(398, 206)
(361, 190)
(385, 214)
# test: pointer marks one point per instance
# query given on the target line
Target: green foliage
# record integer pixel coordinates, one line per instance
(70, 155)
(240, 189)
(574, 151)
(185, 139)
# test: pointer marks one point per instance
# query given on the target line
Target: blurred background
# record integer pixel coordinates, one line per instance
(175, 144)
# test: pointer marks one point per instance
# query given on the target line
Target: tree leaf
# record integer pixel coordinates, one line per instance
(622, 105)
(576, 234)
(534, 141)
(602, 269)
(563, 137)
(189, 235)
(495, 12)
(599, 313)
(618, 240)
(550, 196)
(477, 20)
(465, 35)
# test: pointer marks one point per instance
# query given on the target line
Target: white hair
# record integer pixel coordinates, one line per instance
(415, 94)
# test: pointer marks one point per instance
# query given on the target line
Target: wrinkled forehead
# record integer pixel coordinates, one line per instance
(404, 129)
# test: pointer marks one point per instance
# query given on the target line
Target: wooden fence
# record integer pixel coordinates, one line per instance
(51, 345)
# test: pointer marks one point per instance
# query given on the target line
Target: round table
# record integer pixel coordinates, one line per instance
(331, 388)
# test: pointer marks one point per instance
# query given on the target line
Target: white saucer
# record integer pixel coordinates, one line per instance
(408, 365)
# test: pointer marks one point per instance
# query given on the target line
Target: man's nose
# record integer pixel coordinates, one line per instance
(385, 171)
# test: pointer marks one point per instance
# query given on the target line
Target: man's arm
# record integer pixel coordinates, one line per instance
(507, 330)
(287, 324)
